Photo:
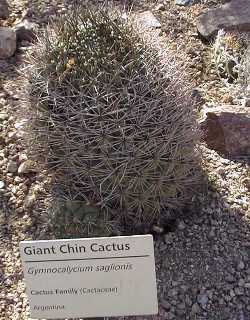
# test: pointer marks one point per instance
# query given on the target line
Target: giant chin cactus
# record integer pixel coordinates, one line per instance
(112, 123)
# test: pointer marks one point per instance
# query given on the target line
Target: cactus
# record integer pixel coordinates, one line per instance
(113, 124)
(74, 218)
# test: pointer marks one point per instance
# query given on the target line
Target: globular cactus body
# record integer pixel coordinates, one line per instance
(109, 119)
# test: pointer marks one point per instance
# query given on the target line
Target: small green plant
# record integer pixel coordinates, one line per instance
(228, 56)
(114, 125)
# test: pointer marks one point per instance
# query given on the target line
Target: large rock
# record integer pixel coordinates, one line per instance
(227, 130)
(234, 15)
(4, 9)
(7, 42)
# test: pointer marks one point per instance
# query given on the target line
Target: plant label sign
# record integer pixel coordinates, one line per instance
(92, 277)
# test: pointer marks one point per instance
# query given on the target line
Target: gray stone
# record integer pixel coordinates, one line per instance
(174, 303)
(181, 306)
(148, 20)
(173, 292)
(210, 294)
(240, 265)
(184, 288)
(4, 9)
(188, 301)
(12, 166)
(212, 233)
(181, 225)
(234, 15)
(230, 279)
(228, 298)
(241, 282)
(239, 291)
(25, 31)
(195, 309)
(8, 282)
(158, 229)
(202, 300)
(166, 305)
(7, 42)
(232, 293)
(241, 315)
(169, 237)
(180, 312)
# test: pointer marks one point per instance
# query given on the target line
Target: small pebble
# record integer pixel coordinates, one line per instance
(3, 116)
(12, 166)
(241, 265)
(195, 309)
(202, 300)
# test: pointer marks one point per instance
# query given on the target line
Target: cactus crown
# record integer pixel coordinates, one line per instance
(117, 128)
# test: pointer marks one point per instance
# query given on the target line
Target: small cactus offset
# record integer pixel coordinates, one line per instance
(111, 122)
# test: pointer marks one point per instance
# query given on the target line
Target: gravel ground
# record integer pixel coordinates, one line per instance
(203, 263)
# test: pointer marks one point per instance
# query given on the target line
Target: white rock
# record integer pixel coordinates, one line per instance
(23, 157)
(2, 184)
(3, 116)
(19, 125)
(160, 7)
(7, 42)
(148, 20)
(26, 167)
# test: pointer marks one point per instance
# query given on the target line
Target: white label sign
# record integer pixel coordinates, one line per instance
(94, 277)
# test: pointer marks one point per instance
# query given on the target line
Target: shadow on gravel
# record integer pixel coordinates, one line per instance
(204, 266)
